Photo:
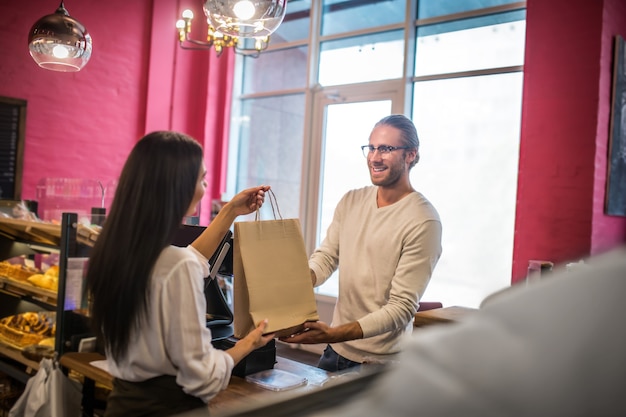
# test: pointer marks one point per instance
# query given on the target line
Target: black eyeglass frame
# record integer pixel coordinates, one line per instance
(382, 149)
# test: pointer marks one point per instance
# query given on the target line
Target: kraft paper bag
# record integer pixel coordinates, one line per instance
(271, 277)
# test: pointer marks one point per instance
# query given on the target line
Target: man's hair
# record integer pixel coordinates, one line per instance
(407, 128)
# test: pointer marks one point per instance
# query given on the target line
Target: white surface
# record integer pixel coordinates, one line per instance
(276, 380)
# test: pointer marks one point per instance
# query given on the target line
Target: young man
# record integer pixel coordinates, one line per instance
(385, 239)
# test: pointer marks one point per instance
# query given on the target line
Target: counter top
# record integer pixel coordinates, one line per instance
(80, 362)
(238, 388)
(442, 315)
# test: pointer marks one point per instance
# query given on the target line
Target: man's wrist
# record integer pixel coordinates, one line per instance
(350, 331)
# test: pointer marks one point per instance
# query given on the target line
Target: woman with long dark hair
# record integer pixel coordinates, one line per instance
(147, 296)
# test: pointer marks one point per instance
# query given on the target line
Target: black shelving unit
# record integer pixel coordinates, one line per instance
(70, 240)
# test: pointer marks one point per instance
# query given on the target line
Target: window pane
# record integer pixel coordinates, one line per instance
(347, 127)
(341, 16)
(268, 149)
(469, 145)
(432, 8)
(275, 71)
(473, 44)
(295, 25)
(355, 60)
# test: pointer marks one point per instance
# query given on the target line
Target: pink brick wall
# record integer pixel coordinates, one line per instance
(79, 125)
(607, 230)
(562, 171)
(82, 125)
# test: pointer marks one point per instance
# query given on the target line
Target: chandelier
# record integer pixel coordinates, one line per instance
(244, 25)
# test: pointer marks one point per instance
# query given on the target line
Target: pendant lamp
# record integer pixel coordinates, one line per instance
(58, 42)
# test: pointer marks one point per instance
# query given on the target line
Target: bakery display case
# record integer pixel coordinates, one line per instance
(42, 302)
(82, 196)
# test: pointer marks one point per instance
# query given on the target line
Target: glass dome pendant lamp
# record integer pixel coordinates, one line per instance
(245, 18)
(58, 42)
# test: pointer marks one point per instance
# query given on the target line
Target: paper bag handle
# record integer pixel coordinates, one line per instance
(273, 203)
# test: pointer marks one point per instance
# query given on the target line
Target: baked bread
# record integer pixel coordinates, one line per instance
(49, 282)
(27, 328)
(52, 271)
(18, 272)
(48, 341)
(4, 267)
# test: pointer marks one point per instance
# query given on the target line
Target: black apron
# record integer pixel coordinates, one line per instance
(156, 397)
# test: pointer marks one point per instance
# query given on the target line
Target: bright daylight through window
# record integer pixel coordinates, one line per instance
(303, 108)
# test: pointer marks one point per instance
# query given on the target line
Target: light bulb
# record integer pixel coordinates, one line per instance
(60, 51)
(244, 9)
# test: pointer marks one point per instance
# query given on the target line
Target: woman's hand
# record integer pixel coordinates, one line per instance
(253, 340)
(257, 338)
(246, 202)
(249, 200)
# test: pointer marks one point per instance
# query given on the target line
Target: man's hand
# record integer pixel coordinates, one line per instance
(313, 332)
(320, 332)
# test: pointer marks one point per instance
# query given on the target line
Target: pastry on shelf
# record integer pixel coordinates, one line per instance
(53, 271)
(48, 341)
(17, 272)
(28, 328)
(48, 280)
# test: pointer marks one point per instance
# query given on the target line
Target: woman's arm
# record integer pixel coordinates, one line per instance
(246, 202)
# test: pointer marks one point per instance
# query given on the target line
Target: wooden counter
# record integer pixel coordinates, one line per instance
(81, 364)
(442, 315)
(237, 390)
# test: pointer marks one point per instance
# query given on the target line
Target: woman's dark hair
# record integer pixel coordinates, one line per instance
(407, 128)
(154, 192)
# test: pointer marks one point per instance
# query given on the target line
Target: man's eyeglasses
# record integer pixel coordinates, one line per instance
(382, 149)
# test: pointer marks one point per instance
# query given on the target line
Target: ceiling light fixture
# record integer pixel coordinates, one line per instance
(244, 25)
(58, 42)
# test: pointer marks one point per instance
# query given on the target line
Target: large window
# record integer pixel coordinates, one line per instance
(455, 66)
